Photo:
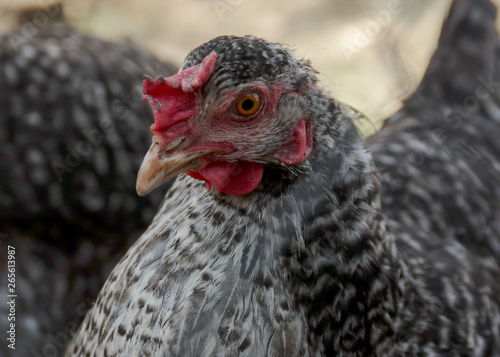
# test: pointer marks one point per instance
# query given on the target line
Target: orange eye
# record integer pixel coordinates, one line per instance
(248, 104)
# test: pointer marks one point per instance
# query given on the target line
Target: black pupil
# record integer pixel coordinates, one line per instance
(247, 105)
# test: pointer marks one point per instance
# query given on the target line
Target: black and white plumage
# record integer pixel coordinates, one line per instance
(73, 130)
(319, 259)
(83, 91)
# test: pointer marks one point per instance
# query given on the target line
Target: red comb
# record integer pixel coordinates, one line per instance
(173, 98)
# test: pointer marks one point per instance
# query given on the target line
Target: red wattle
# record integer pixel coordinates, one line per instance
(235, 178)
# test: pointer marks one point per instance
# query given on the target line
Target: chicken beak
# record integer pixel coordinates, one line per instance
(159, 167)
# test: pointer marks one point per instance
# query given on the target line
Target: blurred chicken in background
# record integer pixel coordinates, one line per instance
(73, 131)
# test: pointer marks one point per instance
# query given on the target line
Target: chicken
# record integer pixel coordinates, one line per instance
(73, 131)
(280, 240)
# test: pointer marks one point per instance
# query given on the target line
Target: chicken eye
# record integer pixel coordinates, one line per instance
(248, 104)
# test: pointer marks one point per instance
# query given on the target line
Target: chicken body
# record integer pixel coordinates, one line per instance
(320, 259)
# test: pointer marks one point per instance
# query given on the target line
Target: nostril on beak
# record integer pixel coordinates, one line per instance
(174, 143)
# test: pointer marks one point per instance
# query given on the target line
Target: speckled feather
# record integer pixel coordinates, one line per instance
(73, 131)
(322, 260)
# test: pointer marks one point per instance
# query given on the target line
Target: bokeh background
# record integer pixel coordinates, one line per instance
(371, 54)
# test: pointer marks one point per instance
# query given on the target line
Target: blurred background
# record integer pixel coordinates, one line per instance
(371, 54)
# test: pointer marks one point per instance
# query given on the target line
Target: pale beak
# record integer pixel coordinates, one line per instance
(159, 167)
